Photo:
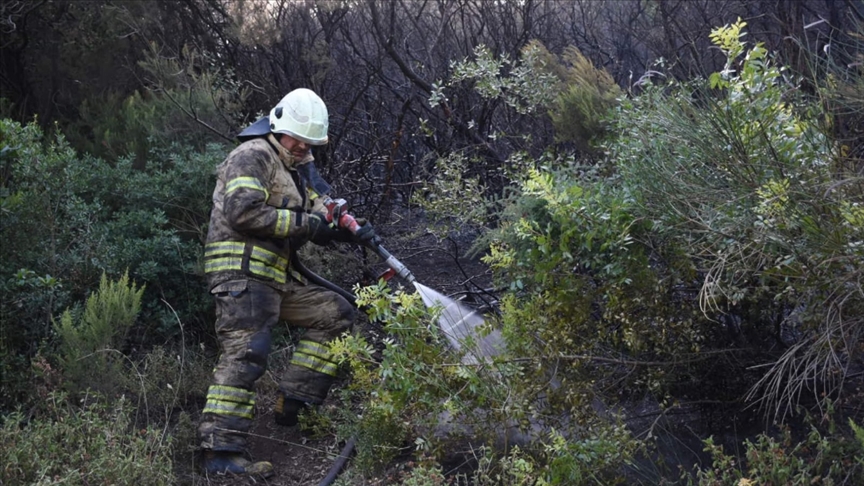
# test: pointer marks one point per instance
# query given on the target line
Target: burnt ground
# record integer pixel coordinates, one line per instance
(298, 459)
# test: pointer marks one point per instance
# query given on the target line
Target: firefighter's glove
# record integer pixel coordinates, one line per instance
(321, 232)
(365, 235)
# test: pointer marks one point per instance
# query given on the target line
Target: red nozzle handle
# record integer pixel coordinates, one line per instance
(348, 222)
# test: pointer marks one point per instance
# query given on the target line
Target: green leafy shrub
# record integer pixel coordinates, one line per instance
(751, 189)
(585, 96)
(454, 199)
(405, 389)
(517, 84)
(826, 455)
(577, 97)
(190, 99)
(513, 468)
(89, 350)
(67, 219)
(595, 459)
(418, 390)
(424, 475)
(587, 297)
(723, 217)
(95, 444)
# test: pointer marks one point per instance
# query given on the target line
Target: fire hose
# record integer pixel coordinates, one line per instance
(338, 212)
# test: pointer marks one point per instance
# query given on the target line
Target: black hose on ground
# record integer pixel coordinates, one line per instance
(337, 466)
(316, 279)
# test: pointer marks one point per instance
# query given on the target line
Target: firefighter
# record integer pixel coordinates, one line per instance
(268, 202)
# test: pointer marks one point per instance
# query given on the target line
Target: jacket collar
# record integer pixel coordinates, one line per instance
(285, 156)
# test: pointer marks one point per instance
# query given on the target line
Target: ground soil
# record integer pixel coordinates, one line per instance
(441, 264)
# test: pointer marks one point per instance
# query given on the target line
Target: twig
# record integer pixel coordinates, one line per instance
(699, 357)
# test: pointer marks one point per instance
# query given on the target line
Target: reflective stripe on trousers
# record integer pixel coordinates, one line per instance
(314, 356)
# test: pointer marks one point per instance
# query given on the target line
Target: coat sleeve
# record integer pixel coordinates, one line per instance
(245, 198)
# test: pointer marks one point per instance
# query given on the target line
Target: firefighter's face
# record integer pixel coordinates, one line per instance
(297, 148)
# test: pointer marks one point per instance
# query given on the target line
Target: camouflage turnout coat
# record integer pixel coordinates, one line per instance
(261, 208)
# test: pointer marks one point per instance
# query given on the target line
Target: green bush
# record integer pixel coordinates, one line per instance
(513, 468)
(723, 222)
(827, 455)
(68, 219)
(95, 444)
(402, 394)
(90, 350)
(418, 397)
(754, 193)
(588, 296)
(190, 99)
(586, 97)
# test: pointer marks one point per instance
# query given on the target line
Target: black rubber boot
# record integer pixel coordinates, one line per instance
(219, 462)
(286, 410)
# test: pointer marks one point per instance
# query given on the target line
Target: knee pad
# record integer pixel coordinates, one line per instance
(255, 359)
(345, 318)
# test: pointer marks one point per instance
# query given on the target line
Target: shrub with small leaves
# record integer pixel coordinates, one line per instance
(827, 455)
(94, 444)
(90, 349)
(740, 174)
(69, 218)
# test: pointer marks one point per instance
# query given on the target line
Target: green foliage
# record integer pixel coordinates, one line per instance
(825, 456)
(578, 95)
(190, 99)
(381, 437)
(595, 459)
(728, 39)
(751, 189)
(585, 97)
(582, 286)
(87, 347)
(568, 90)
(414, 381)
(68, 219)
(520, 87)
(513, 468)
(424, 475)
(94, 444)
(417, 390)
(454, 199)
(404, 389)
(859, 437)
(555, 460)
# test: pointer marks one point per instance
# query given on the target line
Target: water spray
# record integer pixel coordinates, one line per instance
(458, 323)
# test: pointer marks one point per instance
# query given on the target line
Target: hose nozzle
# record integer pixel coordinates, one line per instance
(393, 263)
(400, 269)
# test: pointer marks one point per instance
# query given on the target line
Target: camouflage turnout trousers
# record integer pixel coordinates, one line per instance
(246, 311)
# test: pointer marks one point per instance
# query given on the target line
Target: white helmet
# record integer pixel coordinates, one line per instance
(301, 114)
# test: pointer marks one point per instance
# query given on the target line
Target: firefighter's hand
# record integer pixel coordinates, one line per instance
(365, 235)
(321, 232)
(318, 228)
